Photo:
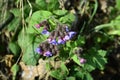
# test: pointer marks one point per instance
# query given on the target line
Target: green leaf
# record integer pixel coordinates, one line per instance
(114, 32)
(70, 78)
(64, 69)
(76, 60)
(30, 57)
(14, 24)
(117, 4)
(14, 47)
(80, 41)
(79, 75)
(60, 12)
(100, 62)
(95, 59)
(14, 70)
(52, 5)
(89, 65)
(48, 66)
(16, 12)
(87, 76)
(60, 73)
(26, 42)
(69, 18)
(56, 74)
(36, 18)
(102, 53)
(42, 4)
(25, 39)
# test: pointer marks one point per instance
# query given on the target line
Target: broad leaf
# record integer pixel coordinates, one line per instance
(30, 57)
(42, 4)
(52, 5)
(14, 47)
(14, 24)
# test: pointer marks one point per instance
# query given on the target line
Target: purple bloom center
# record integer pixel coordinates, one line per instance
(38, 50)
(47, 53)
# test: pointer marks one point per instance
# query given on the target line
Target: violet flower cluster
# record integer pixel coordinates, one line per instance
(59, 36)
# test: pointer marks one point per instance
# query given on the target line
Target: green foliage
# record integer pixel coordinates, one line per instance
(113, 27)
(67, 18)
(28, 47)
(118, 4)
(95, 59)
(42, 4)
(60, 12)
(14, 24)
(14, 70)
(60, 73)
(70, 78)
(29, 57)
(49, 5)
(16, 12)
(14, 47)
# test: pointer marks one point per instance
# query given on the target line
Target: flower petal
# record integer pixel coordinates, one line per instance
(45, 32)
(66, 38)
(38, 50)
(82, 60)
(37, 25)
(71, 34)
(54, 42)
(47, 53)
(61, 41)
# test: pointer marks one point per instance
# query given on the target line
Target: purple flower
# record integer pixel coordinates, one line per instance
(66, 28)
(47, 53)
(67, 37)
(38, 50)
(53, 42)
(45, 32)
(37, 25)
(61, 41)
(82, 60)
(71, 34)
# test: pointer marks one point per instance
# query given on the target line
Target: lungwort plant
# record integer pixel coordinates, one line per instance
(47, 35)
